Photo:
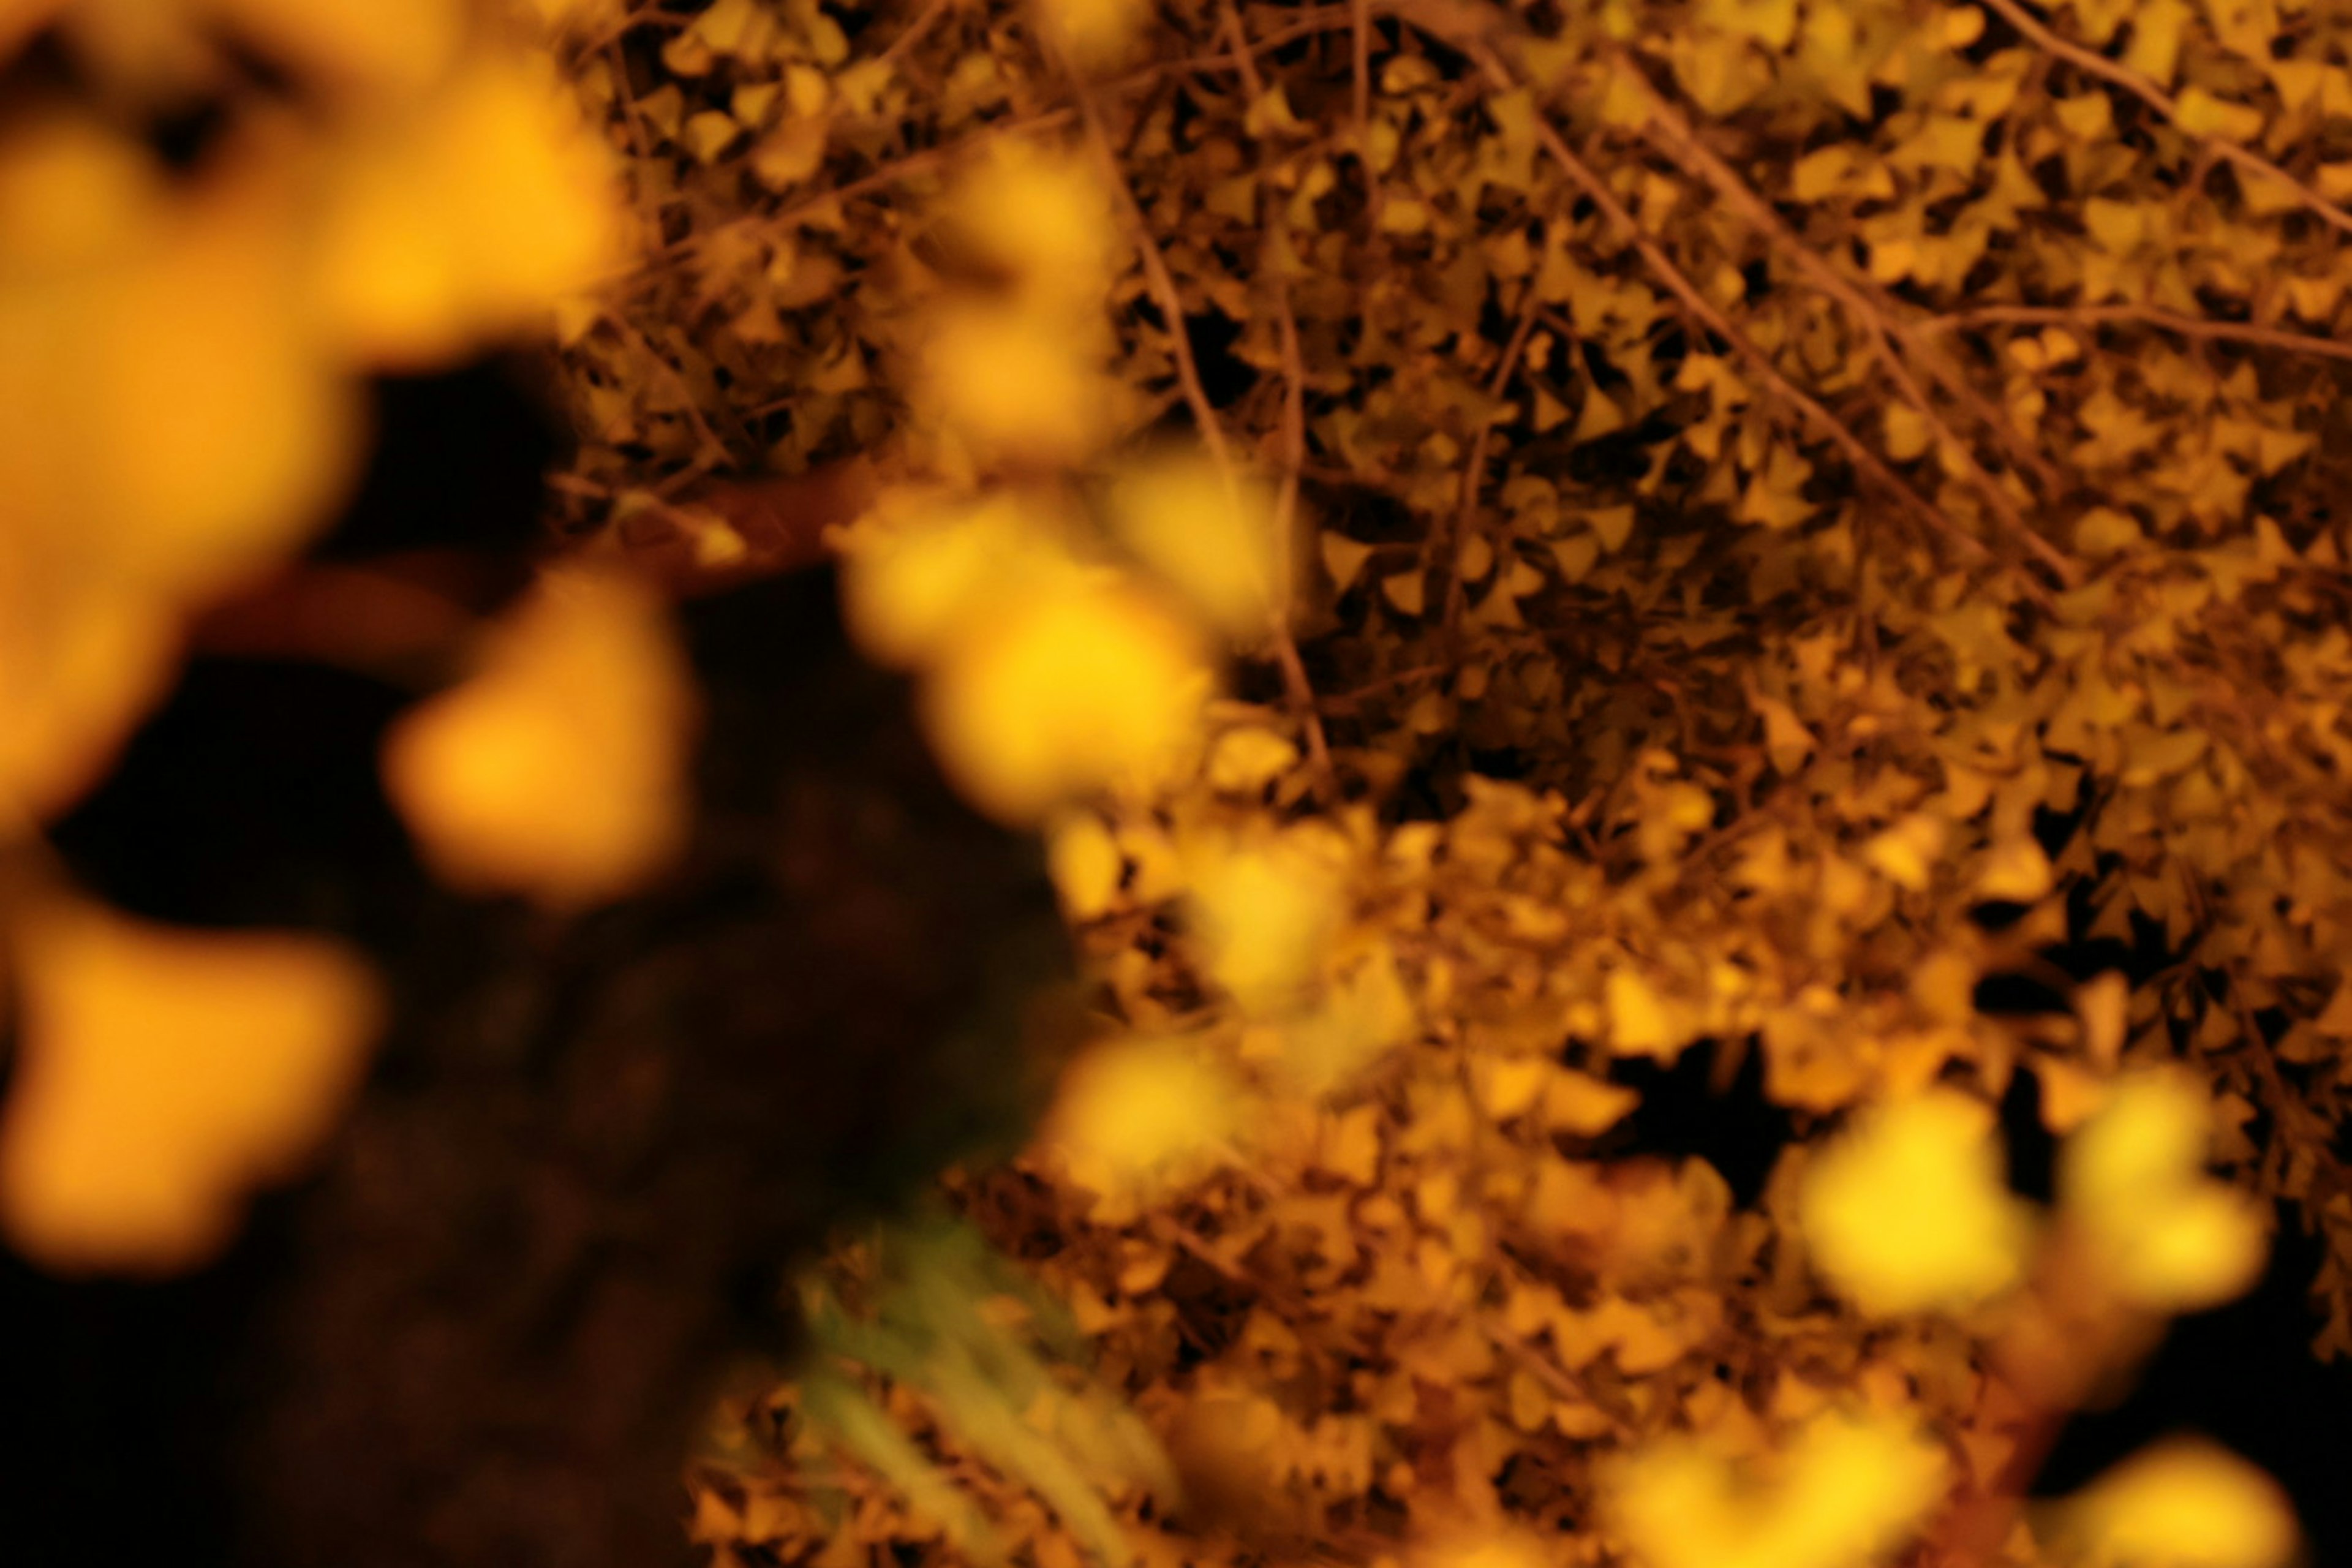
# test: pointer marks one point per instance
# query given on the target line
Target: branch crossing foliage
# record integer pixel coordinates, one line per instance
(1799, 506)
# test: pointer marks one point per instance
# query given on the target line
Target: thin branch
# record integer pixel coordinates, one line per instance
(1171, 302)
(1474, 474)
(1682, 143)
(1294, 459)
(2091, 316)
(2156, 97)
(1760, 363)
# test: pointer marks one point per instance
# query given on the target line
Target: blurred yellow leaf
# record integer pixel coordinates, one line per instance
(1367, 1013)
(1215, 542)
(1844, 1493)
(1064, 692)
(463, 216)
(1641, 1022)
(1094, 33)
(1141, 1109)
(1086, 864)
(1012, 386)
(2183, 1503)
(80, 664)
(1267, 913)
(1907, 1212)
(164, 1075)
(166, 421)
(558, 770)
(2166, 1236)
(1583, 1105)
(1041, 217)
(920, 571)
(354, 45)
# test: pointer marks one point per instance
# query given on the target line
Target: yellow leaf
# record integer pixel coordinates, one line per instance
(2164, 1235)
(1906, 1211)
(1367, 1013)
(2201, 113)
(163, 1076)
(1085, 865)
(2017, 871)
(1012, 386)
(920, 571)
(1136, 1111)
(465, 218)
(1095, 33)
(1350, 1145)
(1064, 692)
(1586, 1106)
(2183, 1503)
(1041, 217)
(1219, 542)
(1343, 558)
(1843, 1493)
(558, 770)
(1266, 913)
(1905, 853)
(1641, 1022)
(1246, 761)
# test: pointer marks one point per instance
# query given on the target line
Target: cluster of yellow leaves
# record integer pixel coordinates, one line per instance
(1779, 734)
(1908, 1212)
(177, 353)
(1011, 365)
(2182, 1503)
(1845, 1492)
(1045, 676)
(180, 355)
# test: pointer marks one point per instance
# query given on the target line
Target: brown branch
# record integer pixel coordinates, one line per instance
(1759, 362)
(2156, 97)
(1171, 302)
(1675, 137)
(1474, 474)
(2088, 317)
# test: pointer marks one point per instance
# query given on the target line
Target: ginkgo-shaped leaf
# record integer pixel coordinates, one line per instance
(1062, 693)
(1214, 536)
(167, 422)
(2132, 1180)
(464, 215)
(163, 1074)
(1907, 1211)
(1138, 1111)
(558, 770)
(1040, 219)
(1266, 913)
(2182, 1503)
(1842, 1495)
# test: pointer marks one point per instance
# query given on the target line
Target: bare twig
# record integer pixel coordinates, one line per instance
(2087, 317)
(1473, 473)
(2094, 64)
(1760, 363)
(1171, 302)
(1676, 137)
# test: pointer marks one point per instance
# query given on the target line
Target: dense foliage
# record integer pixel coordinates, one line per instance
(1733, 531)
(1804, 509)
